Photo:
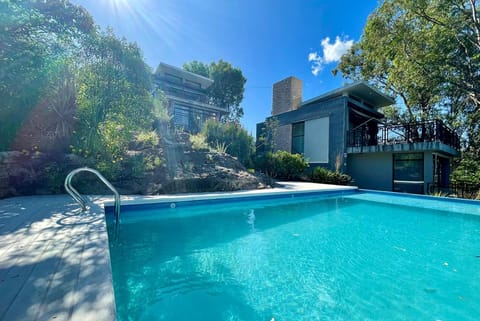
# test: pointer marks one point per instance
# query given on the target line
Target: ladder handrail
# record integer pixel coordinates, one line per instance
(81, 200)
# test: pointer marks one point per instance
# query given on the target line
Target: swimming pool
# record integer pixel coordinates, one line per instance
(352, 256)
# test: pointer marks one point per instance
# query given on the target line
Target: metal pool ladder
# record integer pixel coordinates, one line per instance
(81, 200)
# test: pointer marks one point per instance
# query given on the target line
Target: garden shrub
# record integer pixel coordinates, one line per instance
(235, 140)
(282, 165)
(323, 175)
(199, 142)
(147, 139)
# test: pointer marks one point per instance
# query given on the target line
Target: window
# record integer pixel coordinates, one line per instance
(181, 117)
(193, 84)
(408, 175)
(298, 134)
(173, 78)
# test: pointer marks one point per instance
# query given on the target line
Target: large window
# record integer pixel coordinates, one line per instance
(189, 118)
(408, 175)
(173, 78)
(298, 135)
(193, 84)
(181, 117)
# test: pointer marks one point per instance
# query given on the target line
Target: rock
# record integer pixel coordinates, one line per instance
(179, 169)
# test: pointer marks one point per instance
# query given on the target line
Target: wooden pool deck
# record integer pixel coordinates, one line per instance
(55, 261)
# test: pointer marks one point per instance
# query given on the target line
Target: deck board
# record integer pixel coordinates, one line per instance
(54, 261)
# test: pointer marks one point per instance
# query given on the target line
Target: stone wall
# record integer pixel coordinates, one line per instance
(287, 95)
(34, 173)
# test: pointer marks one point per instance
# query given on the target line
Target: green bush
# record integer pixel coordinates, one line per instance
(198, 142)
(323, 175)
(235, 139)
(147, 139)
(282, 165)
(113, 103)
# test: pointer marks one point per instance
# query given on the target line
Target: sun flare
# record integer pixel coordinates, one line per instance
(119, 6)
(160, 23)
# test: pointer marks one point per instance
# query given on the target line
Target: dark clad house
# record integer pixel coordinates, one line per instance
(187, 97)
(343, 130)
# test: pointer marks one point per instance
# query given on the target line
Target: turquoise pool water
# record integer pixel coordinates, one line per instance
(363, 256)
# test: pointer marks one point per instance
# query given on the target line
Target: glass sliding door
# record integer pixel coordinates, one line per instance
(408, 173)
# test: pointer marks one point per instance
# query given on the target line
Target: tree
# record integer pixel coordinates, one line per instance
(427, 53)
(460, 22)
(228, 86)
(114, 100)
(37, 40)
(198, 68)
(266, 141)
(399, 54)
(50, 123)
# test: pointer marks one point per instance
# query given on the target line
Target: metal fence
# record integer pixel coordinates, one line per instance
(456, 189)
(429, 131)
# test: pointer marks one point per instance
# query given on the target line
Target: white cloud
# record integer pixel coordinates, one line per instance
(316, 61)
(332, 52)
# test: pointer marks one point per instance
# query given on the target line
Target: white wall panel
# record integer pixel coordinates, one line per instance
(316, 140)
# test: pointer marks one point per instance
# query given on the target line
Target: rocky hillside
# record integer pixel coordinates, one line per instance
(178, 169)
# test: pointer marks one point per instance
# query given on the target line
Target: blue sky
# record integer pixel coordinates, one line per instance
(268, 40)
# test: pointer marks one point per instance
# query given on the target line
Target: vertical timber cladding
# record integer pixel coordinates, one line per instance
(317, 137)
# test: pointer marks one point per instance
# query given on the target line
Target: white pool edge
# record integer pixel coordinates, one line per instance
(284, 188)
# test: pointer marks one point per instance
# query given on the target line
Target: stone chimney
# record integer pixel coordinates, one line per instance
(287, 95)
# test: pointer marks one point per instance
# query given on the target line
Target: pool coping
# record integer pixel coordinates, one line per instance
(281, 189)
(430, 197)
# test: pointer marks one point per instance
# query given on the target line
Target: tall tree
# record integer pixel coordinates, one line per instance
(460, 22)
(36, 42)
(114, 99)
(397, 53)
(197, 67)
(228, 87)
(427, 52)
(61, 77)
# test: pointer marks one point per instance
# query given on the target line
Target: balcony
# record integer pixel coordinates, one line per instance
(421, 136)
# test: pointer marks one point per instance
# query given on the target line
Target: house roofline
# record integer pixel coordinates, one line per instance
(360, 90)
(206, 82)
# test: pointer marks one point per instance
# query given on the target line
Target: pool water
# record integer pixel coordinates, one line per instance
(353, 257)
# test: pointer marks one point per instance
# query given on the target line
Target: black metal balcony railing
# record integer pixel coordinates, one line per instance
(429, 131)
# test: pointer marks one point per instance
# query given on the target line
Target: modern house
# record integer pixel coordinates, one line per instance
(343, 130)
(187, 97)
